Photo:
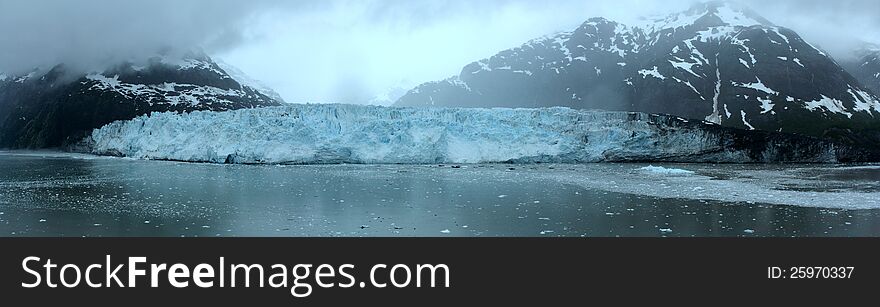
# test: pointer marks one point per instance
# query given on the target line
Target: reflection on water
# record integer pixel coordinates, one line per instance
(84, 196)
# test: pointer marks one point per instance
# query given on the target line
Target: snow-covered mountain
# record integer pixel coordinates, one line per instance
(390, 95)
(865, 66)
(718, 61)
(370, 134)
(246, 80)
(51, 108)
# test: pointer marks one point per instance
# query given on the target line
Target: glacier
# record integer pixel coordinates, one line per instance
(337, 133)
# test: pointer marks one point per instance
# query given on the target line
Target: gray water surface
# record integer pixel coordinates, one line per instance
(54, 194)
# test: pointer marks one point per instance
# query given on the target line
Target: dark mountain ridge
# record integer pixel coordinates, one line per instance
(56, 108)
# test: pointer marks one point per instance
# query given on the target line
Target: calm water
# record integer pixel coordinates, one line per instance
(69, 195)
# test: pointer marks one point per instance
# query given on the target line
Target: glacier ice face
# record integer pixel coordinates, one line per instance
(313, 134)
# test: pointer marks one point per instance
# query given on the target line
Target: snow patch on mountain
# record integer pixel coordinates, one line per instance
(165, 93)
(745, 122)
(829, 104)
(28, 76)
(651, 72)
(864, 102)
(719, 12)
(758, 86)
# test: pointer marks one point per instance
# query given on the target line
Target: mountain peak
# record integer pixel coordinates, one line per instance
(729, 13)
(598, 20)
(706, 15)
(869, 47)
(63, 106)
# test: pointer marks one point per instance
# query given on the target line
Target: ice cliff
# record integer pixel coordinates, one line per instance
(313, 134)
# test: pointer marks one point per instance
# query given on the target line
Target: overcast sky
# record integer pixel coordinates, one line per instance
(350, 50)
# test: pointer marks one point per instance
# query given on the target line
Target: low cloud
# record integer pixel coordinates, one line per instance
(349, 50)
(88, 34)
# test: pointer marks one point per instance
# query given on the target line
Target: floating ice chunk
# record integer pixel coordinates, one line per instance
(445, 231)
(659, 170)
(749, 231)
(666, 230)
(865, 167)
